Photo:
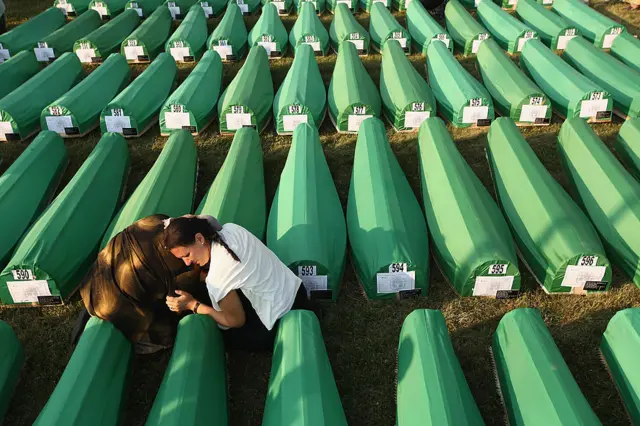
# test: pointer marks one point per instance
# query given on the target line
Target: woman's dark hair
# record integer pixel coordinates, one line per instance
(182, 232)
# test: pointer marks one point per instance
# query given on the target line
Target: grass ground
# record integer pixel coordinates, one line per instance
(361, 336)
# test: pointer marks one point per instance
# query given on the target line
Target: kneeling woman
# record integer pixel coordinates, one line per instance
(249, 287)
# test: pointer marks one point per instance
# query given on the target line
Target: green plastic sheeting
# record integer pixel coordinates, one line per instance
(269, 32)
(27, 186)
(180, 8)
(466, 32)
(247, 101)
(536, 385)
(471, 240)
(78, 111)
(306, 228)
(507, 31)
(144, 8)
(92, 388)
(168, 188)
(284, 6)
(615, 77)
(309, 30)
(62, 40)
(319, 5)
(247, 7)
(72, 8)
(136, 108)
(11, 361)
(20, 110)
(332, 5)
(551, 28)
(431, 389)
(17, 70)
(147, 41)
(213, 8)
(424, 29)
(26, 35)
(108, 8)
(627, 49)
(387, 230)
(187, 43)
(353, 96)
(461, 98)
(229, 38)
(107, 39)
(514, 94)
(58, 249)
(302, 97)
(619, 348)
(607, 192)
(628, 145)
(367, 5)
(593, 25)
(344, 27)
(383, 26)
(556, 240)
(237, 194)
(194, 386)
(571, 93)
(302, 390)
(192, 106)
(406, 97)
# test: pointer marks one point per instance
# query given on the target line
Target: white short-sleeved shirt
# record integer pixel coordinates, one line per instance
(268, 283)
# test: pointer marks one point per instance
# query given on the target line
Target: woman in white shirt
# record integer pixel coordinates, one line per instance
(250, 288)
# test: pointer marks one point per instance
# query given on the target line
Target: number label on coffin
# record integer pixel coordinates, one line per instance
(132, 52)
(490, 286)
(609, 38)
(399, 36)
(415, 117)
(476, 43)
(86, 55)
(23, 275)
(101, 8)
(238, 118)
(527, 36)
(269, 46)
(564, 39)
(117, 122)
(177, 118)
(443, 38)
(535, 112)
(208, 10)
(181, 54)
(596, 104)
(475, 112)
(395, 282)
(498, 269)
(4, 54)
(28, 291)
(358, 43)
(290, 122)
(62, 125)
(223, 49)
(585, 271)
(397, 267)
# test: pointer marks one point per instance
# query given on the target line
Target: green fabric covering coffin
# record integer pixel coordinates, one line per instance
(26, 35)
(556, 240)
(627, 145)
(302, 97)
(284, 6)
(306, 228)
(551, 28)
(136, 108)
(237, 194)
(27, 186)
(269, 32)
(192, 106)
(309, 30)
(431, 389)
(58, 249)
(188, 42)
(16, 71)
(401, 5)
(619, 348)
(194, 386)
(465, 31)
(144, 8)
(20, 110)
(383, 26)
(108, 8)
(107, 39)
(406, 97)
(507, 31)
(344, 27)
(471, 240)
(78, 111)
(332, 5)
(92, 388)
(168, 188)
(180, 8)
(72, 8)
(353, 96)
(319, 5)
(514, 94)
(213, 8)
(461, 98)
(247, 101)
(536, 385)
(615, 77)
(594, 26)
(387, 230)
(247, 7)
(627, 49)
(229, 38)
(367, 5)
(606, 191)
(301, 376)
(424, 29)
(11, 361)
(60, 41)
(571, 93)
(147, 41)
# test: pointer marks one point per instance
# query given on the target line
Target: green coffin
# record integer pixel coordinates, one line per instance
(465, 31)
(627, 145)
(424, 29)
(188, 42)
(309, 30)
(554, 31)
(147, 41)
(247, 7)
(108, 8)
(180, 8)
(213, 8)
(344, 27)
(72, 8)
(26, 35)
(284, 6)
(269, 32)
(367, 5)
(332, 5)
(627, 49)
(229, 38)
(144, 8)
(11, 361)
(593, 25)
(507, 31)
(17, 70)
(107, 39)
(61, 41)
(383, 26)
(320, 5)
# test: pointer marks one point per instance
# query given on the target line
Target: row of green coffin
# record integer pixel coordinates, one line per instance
(534, 380)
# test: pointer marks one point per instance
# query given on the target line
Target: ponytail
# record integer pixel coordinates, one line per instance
(182, 231)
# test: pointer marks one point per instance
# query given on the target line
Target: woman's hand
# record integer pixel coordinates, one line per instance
(184, 302)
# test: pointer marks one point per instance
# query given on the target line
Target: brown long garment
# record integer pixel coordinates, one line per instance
(128, 283)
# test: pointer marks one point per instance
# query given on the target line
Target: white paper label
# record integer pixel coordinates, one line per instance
(66, 8)
(4, 55)
(314, 283)
(401, 40)
(563, 40)
(476, 44)
(244, 8)
(443, 38)
(102, 10)
(223, 51)
(413, 120)
(85, 55)
(529, 35)
(5, 128)
(175, 10)
(471, 114)
(279, 5)
(290, 122)
(23, 275)
(608, 40)
(117, 123)
(237, 121)
(43, 54)
(547, 1)
(577, 276)
(179, 53)
(208, 10)
(269, 46)
(58, 124)
(395, 282)
(28, 291)
(529, 113)
(590, 108)
(355, 121)
(314, 44)
(359, 44)
(139, 11)
(132, 52)
(489, 286)
(177, 120)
